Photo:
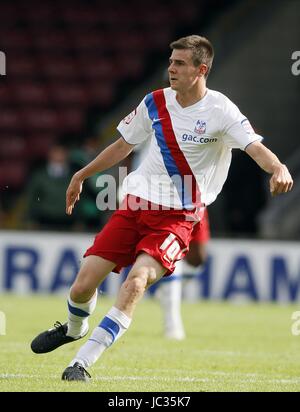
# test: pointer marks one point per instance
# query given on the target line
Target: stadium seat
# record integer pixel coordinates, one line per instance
(132, 64)
(50, 41)
(80, 15)
(20, 65)
(99, 68)
(12, 147)
(132, 41)
(10, 119)
(38, 144)
(69, 94)
(63, 59)
(12, 174)
(102, 93)
(157, 40)
(158, 17)
(15, 40)
(72, 119)
(117, 17)
(8, 12)
(186, 14)
(40, 15)
(59, 68)
(92, 41)
(31, 93)
(6, 95)
(41, 119)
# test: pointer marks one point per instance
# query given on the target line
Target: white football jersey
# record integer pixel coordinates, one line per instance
(189, 147)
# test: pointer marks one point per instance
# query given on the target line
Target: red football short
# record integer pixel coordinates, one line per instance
(163, 234)
(201, 231)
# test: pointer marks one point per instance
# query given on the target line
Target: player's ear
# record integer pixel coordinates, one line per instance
(203, 69)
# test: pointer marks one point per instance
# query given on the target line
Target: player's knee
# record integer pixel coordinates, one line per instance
(136, 285)
(80, 292)
(141, 278)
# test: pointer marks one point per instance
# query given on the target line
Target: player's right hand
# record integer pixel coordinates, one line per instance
(73, 193)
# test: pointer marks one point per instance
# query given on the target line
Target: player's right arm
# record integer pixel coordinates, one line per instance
(109, 157)
(134, 129)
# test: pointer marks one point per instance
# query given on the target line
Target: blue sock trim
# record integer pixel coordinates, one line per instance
(77, 311)
(171, 278)
(110, 326)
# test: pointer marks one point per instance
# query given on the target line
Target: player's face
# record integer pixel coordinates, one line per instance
(183, 75)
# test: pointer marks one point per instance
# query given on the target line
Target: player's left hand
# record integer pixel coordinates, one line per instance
(281, 181)
(73, 193)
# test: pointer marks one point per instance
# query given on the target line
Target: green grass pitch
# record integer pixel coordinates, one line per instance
(229, 347)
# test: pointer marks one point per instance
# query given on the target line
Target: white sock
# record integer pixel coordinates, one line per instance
(170, 299)
(191, 286)
(78, 314)
(178, 268)
(111, 328)
(189, 270)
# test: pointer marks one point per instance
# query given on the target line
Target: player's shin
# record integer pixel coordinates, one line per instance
(111, 328)
(78, 314)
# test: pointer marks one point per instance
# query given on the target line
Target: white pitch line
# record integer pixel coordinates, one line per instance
(291, 381)
(189, 379)
(259, 376)
(18, 376)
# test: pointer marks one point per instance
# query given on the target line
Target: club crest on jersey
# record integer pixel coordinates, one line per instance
(247, 126)
(129, 117)
(200, 127)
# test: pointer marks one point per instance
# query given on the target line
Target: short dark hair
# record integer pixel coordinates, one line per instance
(202, 49)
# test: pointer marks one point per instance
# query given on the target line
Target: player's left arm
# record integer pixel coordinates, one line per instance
(281, 181)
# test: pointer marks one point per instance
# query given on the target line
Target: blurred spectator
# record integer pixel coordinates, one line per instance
(46, 193)
(87, 216)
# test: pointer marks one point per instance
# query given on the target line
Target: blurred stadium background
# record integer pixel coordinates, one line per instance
(74, 68)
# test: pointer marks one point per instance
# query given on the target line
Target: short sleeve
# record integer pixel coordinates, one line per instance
(136, 127)
(237, 131)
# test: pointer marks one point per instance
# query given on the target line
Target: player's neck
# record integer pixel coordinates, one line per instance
(189, 97)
